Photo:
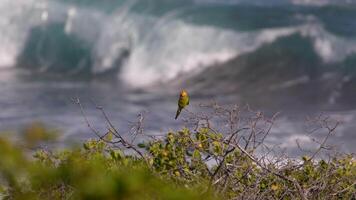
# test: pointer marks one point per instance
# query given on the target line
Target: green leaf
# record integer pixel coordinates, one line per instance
(117, 154)
(196, 155)
(86, 146)
(109, 136)
(141, 145)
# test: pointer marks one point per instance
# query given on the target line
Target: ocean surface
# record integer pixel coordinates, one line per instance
(295, 57)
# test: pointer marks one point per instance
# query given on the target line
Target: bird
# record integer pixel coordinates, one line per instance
(182, 102)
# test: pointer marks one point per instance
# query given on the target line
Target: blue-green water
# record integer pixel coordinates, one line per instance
(295, 57)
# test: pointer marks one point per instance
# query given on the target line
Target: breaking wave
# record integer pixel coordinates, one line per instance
(144, 46)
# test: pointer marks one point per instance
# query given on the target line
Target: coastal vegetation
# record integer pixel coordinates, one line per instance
(220, 153)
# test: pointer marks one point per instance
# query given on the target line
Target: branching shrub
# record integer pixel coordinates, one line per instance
(220, 154)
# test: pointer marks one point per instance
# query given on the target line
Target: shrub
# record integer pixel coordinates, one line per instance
(221, 154)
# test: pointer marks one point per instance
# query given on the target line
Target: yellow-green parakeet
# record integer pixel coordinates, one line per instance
(182, 102)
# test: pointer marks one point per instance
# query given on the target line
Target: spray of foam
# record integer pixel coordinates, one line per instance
(322, 2)
(278, 2)
(16, 18)
(118, 35)
(159, 49)
(178, 47)
(309, 2)
(329, 47)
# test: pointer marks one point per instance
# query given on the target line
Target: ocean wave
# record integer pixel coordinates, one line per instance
(323, 2)
(145, 48)
(15, 21)
(280, 2)
(184, 49)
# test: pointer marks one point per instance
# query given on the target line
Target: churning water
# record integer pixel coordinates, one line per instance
(297, 57)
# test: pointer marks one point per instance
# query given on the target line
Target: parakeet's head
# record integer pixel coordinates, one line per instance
(183, 93)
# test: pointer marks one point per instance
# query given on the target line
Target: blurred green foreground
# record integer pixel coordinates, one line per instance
(172, 168)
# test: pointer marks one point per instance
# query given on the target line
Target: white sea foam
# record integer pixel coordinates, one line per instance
(329, 47)
(279, 2)
(16, 18)
(322, 2)
(159, 49)
(179, 47)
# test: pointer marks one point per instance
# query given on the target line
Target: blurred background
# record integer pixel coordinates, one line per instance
(296, 57)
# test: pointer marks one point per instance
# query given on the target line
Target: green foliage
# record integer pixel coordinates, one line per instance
(94, 172)
(36, 133)
(179, 155)
(174, 167)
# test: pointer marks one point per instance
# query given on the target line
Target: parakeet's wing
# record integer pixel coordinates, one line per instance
(180, 107)
(181, 103)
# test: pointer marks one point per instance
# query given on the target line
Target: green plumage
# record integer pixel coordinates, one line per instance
(182, 102)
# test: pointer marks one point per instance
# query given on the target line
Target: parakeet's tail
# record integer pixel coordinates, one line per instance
(178, 112)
